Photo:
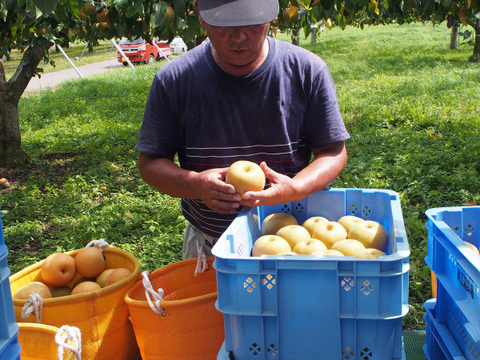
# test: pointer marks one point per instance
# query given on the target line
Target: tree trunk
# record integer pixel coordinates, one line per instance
(476, 45)
(313, 39)
(295, 40)
(11, 151)
(454, 37)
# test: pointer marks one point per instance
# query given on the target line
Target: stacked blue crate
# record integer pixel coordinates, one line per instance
(440, 344)
(9, 346)
(457, 269)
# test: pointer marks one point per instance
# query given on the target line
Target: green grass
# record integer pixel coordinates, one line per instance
(410, 104)
(82, 140)
(77, 52)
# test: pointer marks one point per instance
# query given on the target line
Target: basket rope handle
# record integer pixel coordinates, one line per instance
(101, 244)
(70, 338)
(33, 306)
(202, 264)
(157, 296)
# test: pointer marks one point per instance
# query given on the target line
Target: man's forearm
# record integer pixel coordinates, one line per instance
(327, 164)
(167, 177)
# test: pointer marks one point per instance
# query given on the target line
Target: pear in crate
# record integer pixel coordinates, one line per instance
(274, 222)
(370, 233)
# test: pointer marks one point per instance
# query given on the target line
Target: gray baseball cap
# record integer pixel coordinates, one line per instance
(229, 13)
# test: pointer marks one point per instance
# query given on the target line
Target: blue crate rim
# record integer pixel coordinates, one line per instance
(3, 250)
(403, 248)
(450, 233)
(433, 211)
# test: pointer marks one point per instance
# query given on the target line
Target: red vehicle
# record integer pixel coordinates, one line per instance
(141, 51)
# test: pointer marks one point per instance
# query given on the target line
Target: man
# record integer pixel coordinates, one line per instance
(240, 96)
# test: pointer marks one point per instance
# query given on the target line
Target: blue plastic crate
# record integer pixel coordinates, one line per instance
(223, 354)
(293, 307)
(2, 241)
(9, 347)
(439, 344)
(457, 269)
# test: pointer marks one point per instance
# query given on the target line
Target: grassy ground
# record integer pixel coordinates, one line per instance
(77, 52)
(410, 104)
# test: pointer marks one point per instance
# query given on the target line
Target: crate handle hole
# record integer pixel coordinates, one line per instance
(367, 287)
(366, 354)
(272, 350)
(255, 349)
(347, 283)
(347, 353)
(249, 284)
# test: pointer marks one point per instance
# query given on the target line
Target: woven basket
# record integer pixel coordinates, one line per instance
(101, 316)
(38, 342)
(191, 328)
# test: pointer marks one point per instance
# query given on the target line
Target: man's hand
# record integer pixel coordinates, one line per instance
(327, 164)
(216, 193)
(280, 190)
(209, 185)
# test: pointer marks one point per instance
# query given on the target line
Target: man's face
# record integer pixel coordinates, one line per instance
(238, 50)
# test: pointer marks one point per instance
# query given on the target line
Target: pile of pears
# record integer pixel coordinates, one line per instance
(59, 270)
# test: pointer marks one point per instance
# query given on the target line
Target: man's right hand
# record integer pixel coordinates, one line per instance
(209, 185)
(216, 193)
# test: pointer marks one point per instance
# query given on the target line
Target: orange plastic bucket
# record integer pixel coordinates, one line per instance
(101, 316)
(434, 284)
(191, 328)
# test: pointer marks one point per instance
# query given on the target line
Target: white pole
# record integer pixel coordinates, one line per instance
(70, 61)
(85, 48)
(160, 50)
(122, 53)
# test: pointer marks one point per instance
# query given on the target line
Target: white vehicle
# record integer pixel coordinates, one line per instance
(178, 46)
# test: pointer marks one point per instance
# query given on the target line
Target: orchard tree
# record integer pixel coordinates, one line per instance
(310, 14)
(303, 14)
(35, 26)
(344, 12)
(455, 12)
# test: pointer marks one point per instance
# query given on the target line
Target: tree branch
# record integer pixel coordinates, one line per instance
(26, 69)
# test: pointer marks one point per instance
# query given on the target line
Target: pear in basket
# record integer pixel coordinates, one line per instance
(90, 262)
(103, 277)
(38, 287)
(117, 275)
(58, 291)
(85, 287)
(58, 269)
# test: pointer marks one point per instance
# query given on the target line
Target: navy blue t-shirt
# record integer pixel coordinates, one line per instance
(277, 114)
